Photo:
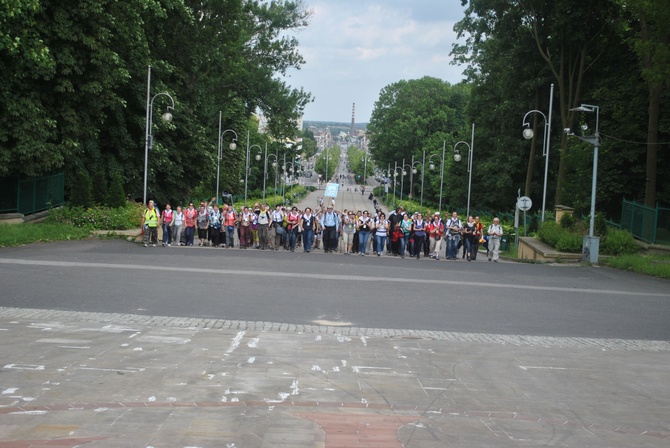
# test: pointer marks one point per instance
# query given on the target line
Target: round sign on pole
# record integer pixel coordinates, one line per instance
(524, 203)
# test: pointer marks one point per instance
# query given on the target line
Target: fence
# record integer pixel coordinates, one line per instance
(650, 224)
(31, 195)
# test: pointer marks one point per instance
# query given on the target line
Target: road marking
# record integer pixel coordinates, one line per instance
(302, 276)
(542, 368)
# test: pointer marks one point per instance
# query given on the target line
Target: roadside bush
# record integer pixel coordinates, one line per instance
(619, 242)
(115, 196)
(99, 218)
(550, 233)
(81, 194)
(568, 221)
(569, 242)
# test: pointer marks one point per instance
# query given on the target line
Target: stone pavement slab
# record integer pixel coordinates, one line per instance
(110, 380)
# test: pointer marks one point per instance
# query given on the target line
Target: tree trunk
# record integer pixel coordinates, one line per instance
(655, 91)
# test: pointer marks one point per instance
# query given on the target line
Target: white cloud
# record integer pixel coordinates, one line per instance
(353, 49)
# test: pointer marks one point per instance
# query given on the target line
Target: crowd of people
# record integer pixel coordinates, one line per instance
(347, 231)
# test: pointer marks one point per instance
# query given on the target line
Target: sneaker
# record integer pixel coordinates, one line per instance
(163, 244)
(146, 245)
(153, 245)
(169, 245)
(379, 254)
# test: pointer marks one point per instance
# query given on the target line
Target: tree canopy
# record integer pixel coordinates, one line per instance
(74, 92)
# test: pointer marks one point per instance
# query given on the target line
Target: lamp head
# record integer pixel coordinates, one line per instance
(431, 166)
(274, 164)
(457, 156)
(167, 117)
(232, 146)
(258, 157)
(528, 133)
(414, 171)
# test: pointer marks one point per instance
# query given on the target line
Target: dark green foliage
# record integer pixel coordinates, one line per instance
(74, 86)
(569, 242)
(99, 183)
(116, 197)
(600, 225)
(568, 221)
(619, 242)
(550, 232)
(80, 193)
(99, 218)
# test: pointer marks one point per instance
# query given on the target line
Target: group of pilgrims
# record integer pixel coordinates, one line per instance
(347, 231)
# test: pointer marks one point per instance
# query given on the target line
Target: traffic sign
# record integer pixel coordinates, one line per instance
(524, 203)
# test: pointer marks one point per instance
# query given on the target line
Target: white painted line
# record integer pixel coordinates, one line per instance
(24, 367)
(302, 276)
(542, 368)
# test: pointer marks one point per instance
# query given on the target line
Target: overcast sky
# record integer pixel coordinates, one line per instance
(355, 48)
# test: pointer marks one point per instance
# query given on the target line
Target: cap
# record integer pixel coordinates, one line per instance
(437, 213)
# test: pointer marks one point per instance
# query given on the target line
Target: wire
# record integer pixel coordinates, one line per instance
(636, 143)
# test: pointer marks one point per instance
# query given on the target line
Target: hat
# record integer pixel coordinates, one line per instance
(437, 213)
(330, 206)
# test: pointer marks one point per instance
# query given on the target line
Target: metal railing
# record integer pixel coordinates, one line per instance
(29, 196)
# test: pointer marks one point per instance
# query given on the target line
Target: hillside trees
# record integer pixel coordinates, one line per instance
(416, 115)
(514, 51)
(76, 97)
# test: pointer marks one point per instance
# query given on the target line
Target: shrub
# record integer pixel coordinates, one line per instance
(600, 225)
(568, 221)
(619, 242)
(80, 194)
(550, 232)
(99, 185)
(99, 218)
(569, 242)
(116, 197)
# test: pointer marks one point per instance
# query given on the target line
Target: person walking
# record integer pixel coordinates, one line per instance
(435, 235)
(215, 226)
(277, 227)
(348, 231)
(178, 225)
(229, 220)
(307, 225)
(150, 225)
(202, 225)
(419, 226)
(469, 236)
(381, 226)
(364, 227)
(190, 216)
(454, 228)
(406, 227)
(330, 226)
(479, 229)
(292, 227)
(167, 217)
(495, 232)
(264, 220)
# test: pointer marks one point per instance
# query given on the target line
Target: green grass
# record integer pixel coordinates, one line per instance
(17, 234)
(654, 265)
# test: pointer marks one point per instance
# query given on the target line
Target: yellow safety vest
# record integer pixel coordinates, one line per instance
(150, 217)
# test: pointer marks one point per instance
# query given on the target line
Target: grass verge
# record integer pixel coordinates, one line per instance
(649, 264)
(17, 234)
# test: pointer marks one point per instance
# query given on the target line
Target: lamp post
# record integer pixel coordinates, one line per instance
(457, 158)
(414, 171)
(148, 140)
(365, 168)
(265, 171)
(247, 168)
(528, 134)
(591, 244)
(431, 166)
(403, 173)
(232, 146)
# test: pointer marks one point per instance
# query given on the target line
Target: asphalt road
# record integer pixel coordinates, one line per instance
(372, 292)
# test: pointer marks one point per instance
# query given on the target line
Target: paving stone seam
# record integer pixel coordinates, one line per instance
(208, 323)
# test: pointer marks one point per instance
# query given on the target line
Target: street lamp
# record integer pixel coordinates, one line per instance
(232, 146)
(414, 171)
(148, 140)
(265, 170)
(365, 168)
(528, 134)
(431, 166)
(457, 158)
(591, 244)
